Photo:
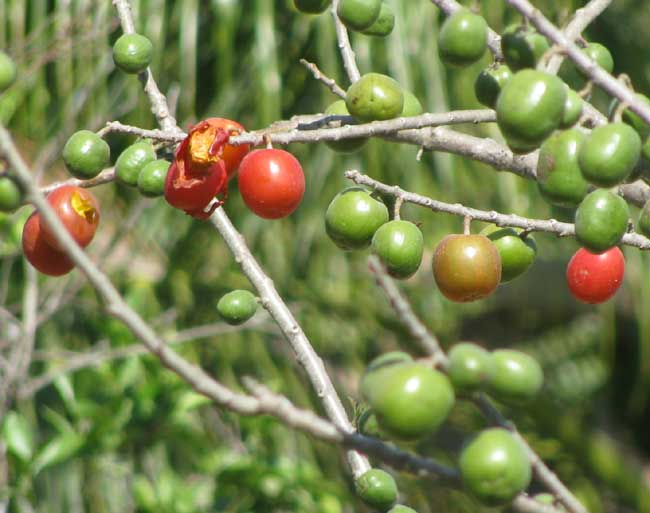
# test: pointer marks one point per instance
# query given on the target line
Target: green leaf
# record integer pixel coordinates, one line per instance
(59, 449)
(18, 436)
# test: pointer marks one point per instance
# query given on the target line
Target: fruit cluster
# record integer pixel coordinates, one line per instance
(369, 17)
(408, 400)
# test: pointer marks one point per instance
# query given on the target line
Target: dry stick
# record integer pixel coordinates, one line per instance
(530, 225)
(589, 67)
(419, 331)
(347, 54)
(271, 300)
(321, 77)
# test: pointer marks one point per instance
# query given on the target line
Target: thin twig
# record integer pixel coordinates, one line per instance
(345, 48)
(320, 76)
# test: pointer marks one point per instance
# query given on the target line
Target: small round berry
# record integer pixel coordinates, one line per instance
(7, 71)
(489, 83)
(601, 220)
(517, 376)
(237, 307)
(384, 23)
(152, 178)
(399, 245)
(374, 97)
(595, 278)
(470, 366)
(131, 161)
(312, 6)
(359, 14)
(85, 154)
(11, 195)
(463, 38)
(412, 106)
(517, 252)
(376, 488)
(132, 53)
(338, 108)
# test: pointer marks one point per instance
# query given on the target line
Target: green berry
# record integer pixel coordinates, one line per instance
(609, 154)
(572, 109)
(374, 97)
(574, 77)
(494, 467)
(463, 38)
(522, 47)
(129, 164)
(237, 307)
(517, 376)
(11, 196)
(353, 217)
(151, 181)
(517, 253)
(85, 154)
(559, 178)
(412, 106)
(530, 108)
(359, 14)
(600, 54)
(132, 53)
(312, 6)
(376, 488)
(399, 245)
(489, 83)
(384, 23)
(601, 220)
(470, 367)
(338, 108)
(631, 118)
(7, 71)
(400, 508)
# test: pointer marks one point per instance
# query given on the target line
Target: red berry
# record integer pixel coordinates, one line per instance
(594, 278)
(271, 183)
(39, 253)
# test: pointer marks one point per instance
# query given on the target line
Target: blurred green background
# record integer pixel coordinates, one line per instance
(122, 434)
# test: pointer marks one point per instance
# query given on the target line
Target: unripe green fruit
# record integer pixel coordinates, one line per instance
(609, 154)
(600, 54)
(312, 6)
(384, 23)
(338, 108)
(494, 467)
(631, 118)
(517, 253)
(353, 217)
(400, 508)
(412, 106)
(132, 53)
(11, 196)
(522, 47)
(530, 108)
(131, 161)
(85, 154)
(399, 245)
(463, 38)
(374, 97)
(489, 83)
(7, 71)
(237, 307)
(574, 77)
(559, 178)
(517, 376)
(358, 14)
(470, 367)
(572, 109)
(409, 399)
(601, 220)
(643, 224)
(151, 181)
(376, 488)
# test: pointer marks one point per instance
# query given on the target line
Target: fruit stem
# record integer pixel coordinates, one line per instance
(467, 221)
(266, 139)
(618, 112)
(585, 92)
(398, 206)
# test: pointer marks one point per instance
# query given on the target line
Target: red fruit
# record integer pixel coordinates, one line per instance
(39, 253)
(271, 182)
(232, 155)
(594, 278)
(78, 210)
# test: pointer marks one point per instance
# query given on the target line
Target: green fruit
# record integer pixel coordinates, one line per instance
(7, 71)
(384, 24)
(559, 178)
(463, 38)
(632, 119)
(494, 467)
(517, 253)
(470, 367)
(601, 220)
(237, 307)
(151, 181)
(312, 6)
(600, 54)
(359, 14)
(609, 154)
(522, 47)
(530, 108)
(572, 109)
(399, 245)
(412, 106)
(517, 376)
(576, 78)
(131, 161)
(376, 488)
(132, 53)
(374, 97)
(643, 224)
(11, 196)
(489, 83)
(409, 399)
(353, 217)
(338, 108)
(399, 508)
(85, 154)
